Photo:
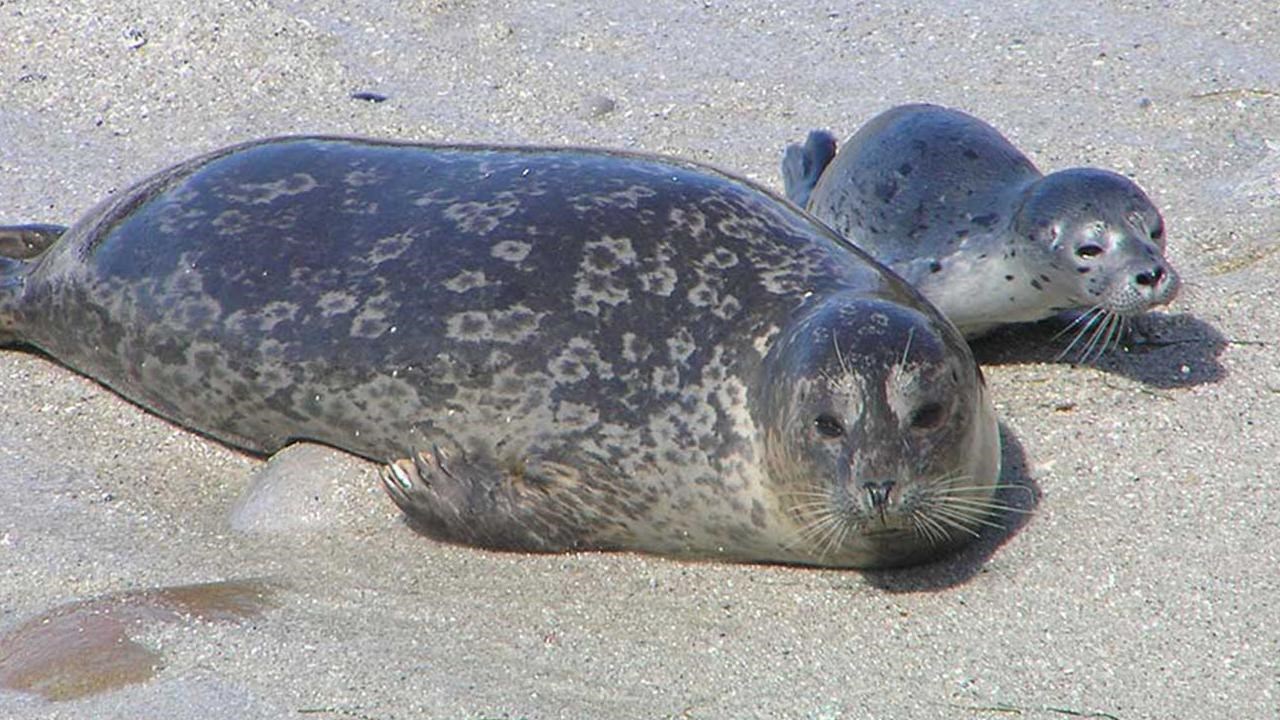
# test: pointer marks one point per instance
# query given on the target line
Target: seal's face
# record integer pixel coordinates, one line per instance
(1107, 240)
(883, 445)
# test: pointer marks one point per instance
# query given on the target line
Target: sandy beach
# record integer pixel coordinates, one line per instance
(1145, 584)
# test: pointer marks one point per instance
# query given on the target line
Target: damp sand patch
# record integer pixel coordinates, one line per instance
(86, 647)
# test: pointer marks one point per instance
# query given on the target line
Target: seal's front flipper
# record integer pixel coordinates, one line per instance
(803, 165)
(528, 504)
(22, 242)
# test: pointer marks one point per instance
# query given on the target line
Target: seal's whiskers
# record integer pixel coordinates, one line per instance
(1081, 326)
(1097, 330)
(1105, 332)
(949, 504)
(929, 528)
(844, 366)
(822, 524)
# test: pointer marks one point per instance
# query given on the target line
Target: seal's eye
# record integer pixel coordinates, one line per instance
(1157, 232)
(828, 426)
(1089, 251)
(928, 416)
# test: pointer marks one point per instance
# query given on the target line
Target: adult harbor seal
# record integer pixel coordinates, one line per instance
(948, 203)
(552, 349)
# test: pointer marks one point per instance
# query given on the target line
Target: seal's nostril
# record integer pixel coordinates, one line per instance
(1150, 278)
(878, 493)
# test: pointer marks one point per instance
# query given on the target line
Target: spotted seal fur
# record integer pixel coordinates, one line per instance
(947, 202)
(552, 349)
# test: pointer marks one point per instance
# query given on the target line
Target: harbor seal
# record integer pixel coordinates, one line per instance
(949, 204)
(551, 349)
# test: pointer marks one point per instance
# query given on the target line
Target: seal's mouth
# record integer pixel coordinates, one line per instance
(885, 532)
(893, 524)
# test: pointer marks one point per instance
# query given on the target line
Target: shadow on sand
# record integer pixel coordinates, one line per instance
(1163, 351)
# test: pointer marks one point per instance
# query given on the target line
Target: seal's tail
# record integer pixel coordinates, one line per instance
(18, 245)
(802, 165)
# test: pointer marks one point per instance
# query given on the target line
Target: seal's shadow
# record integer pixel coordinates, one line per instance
(1163, 351)
(1019, 492)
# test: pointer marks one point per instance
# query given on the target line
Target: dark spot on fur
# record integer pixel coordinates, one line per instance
(1082, 270)
(171, 352)
(887, 190)
(935, 266)
(971, 153)
(986, 220)
(1009, 278)
(905, 169)
(205, 361)
(1036, 284)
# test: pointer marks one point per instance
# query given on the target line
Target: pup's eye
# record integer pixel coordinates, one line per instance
(1089, 251)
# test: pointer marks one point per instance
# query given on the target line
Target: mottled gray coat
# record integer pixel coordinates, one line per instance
(553, 349)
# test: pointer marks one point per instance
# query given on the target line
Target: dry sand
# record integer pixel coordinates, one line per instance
(1146, 585)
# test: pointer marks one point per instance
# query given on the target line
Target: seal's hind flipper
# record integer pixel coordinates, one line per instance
(530, 505)
(803, 165)
(19, 244)
(22, 242)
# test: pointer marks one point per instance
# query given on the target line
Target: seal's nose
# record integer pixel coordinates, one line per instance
(878, 493)
(1151, 278)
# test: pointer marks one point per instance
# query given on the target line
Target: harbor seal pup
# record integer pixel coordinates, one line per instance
(949, 204)
(552, 349)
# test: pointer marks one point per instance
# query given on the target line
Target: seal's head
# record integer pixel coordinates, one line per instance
(1106, 241)
(882, 441)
